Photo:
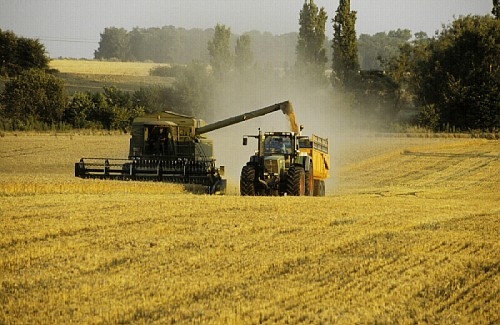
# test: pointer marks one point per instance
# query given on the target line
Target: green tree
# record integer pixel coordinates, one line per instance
(77, 110)
(496, 9)
(18, 54)
(243, 53)
(154, 99)
(192, 90)
(31, 54)
(34, 95)
(221, 59)
(114, 43)
(310, 50)
(111, 109)
(458, 74)
(120, 107)
(345, 62)
(376, 50)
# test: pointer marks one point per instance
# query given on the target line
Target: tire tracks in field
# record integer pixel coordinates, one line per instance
(464, 290)
(363, 273)
(388, 270)
(462, 170)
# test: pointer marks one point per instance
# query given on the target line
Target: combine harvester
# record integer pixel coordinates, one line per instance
(170, 147)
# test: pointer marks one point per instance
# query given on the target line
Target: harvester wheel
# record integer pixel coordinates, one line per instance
(247, 181)
(296, 181)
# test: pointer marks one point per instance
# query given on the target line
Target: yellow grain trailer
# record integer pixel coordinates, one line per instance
(317, 148)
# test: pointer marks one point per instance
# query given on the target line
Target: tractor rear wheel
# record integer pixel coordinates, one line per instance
(296, 181)
(247, 181)
(309, 189)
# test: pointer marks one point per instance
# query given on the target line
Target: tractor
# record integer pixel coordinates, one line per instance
(286, 163)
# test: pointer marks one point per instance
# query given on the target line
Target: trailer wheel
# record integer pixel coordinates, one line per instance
(296, 181)
(247, 181)
(319, 188)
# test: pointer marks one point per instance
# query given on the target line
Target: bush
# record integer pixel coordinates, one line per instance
(167, 71)
(429, 116)
(34, 96)
(113, 109)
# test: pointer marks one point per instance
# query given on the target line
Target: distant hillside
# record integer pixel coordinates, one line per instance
(93, 75)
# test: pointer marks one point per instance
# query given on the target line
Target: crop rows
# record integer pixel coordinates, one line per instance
(418, 248)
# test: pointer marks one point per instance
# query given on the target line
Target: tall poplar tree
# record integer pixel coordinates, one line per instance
(345, 62)
(243, 53)
(218, 48)
(310, 50)
(496, 9)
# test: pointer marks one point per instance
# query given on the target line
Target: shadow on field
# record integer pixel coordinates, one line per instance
(450, 155)
(198, 189)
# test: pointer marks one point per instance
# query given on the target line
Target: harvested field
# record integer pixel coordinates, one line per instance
(93, 75)
(408, 234)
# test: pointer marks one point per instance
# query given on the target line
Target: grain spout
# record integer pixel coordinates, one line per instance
(288, 110)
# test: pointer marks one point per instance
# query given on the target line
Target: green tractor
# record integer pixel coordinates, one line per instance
(286, 163)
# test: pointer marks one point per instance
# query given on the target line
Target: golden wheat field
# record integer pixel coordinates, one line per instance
(104, 68)
(408, 234)
(93, 75)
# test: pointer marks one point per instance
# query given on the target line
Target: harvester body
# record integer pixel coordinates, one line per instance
(169, 147)
(286, 163)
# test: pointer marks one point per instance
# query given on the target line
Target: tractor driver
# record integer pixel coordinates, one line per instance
(275, 145)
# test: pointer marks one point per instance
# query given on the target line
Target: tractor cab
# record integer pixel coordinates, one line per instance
(277, 144)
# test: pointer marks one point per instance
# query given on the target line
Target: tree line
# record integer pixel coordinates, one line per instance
(452, 78)
(173, 45)
(169, 44)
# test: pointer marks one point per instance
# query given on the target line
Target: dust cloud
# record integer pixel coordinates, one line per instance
(320, 110)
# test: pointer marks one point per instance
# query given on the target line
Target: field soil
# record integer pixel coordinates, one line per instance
(408, 233)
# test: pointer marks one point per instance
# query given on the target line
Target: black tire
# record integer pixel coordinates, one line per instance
(321, 191)
(316, 188)
(247, 181)
(309, 189)
(296, 181)
(319, 188)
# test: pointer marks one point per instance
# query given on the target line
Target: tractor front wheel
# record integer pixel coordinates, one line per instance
(296, 181)
(247, 181)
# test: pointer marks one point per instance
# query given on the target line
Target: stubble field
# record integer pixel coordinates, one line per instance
(92, 76)
(408, 234)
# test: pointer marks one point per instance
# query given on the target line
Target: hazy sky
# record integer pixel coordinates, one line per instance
(71, 28)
